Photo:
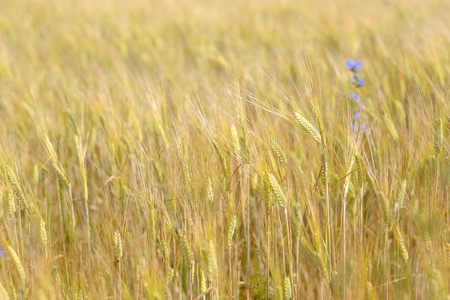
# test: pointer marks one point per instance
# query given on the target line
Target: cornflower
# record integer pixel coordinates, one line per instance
(355, 66)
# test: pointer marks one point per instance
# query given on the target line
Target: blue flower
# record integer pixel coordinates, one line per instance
(355, 97)
(2, 252)
(354, 65)
(350, 64)
(358, 123)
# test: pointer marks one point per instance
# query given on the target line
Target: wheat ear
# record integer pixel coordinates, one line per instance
(307, 127)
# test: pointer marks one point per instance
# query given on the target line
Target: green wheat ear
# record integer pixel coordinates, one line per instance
(287, 289)
(320, 124)
(202, 280)
(438, 136)
(401, 194)
(384, 238)
(269, 159)
(231, 230)
(359, 168)
(186, 250)
(222, 158)
(267, 191)
(235, 139)
(210, 197)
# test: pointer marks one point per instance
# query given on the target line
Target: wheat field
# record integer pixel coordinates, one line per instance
(224, 149)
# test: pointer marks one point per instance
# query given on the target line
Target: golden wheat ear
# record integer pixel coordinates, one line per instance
(307, 127)
(56, 165)
(277, 191)
(3, 294)
(17, 263)
(118, 250)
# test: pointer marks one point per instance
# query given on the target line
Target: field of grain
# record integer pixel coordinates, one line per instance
(224, 149)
